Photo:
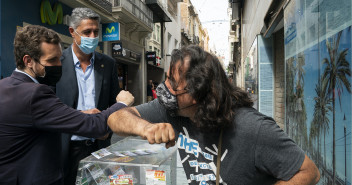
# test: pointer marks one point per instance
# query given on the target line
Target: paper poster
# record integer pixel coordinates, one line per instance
(101, 153)
(121, 179)
(155, 177)
(97, 174)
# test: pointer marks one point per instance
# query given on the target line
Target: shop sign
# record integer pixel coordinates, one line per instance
(158, 61)
(117, 49)
(111, 31)
(133, 55)
(151, 56)
(49, 15)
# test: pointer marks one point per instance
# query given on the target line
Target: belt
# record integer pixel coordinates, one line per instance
(87, 142)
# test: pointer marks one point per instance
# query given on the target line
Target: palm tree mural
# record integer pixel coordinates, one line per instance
(290, 94)
(295, 107)
(335, 75)
(314, 139)
(300, 116)
(320, 122)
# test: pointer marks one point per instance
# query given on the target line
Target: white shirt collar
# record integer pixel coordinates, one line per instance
(35, 80)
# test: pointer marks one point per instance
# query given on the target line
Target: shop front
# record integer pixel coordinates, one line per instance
(130, 67)
(16, 14)
(318, 83)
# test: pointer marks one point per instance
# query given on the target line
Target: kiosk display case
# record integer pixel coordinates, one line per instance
(129, 161)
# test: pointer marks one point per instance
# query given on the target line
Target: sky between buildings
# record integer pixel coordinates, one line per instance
(214, 17)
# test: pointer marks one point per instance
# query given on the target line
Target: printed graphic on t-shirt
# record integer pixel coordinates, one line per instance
(191, 147)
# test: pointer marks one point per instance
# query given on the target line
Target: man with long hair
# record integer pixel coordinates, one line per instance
(220, 136)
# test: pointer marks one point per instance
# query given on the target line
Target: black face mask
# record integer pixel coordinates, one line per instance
(52, 75)
(167, 99)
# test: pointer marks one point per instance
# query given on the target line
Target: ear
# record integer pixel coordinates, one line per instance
(28, 61)
(72, 31)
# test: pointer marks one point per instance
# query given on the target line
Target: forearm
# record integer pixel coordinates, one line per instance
(297, 180)
(127, 122)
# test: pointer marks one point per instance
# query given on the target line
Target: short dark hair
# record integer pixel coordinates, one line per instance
(208, 84)
(28, 42)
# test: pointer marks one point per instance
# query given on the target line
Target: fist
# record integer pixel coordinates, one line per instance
(159, 133)
(125, 97)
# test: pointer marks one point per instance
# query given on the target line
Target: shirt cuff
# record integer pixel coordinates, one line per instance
(122, 103)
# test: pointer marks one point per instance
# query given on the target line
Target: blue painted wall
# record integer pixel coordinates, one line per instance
(13, 14)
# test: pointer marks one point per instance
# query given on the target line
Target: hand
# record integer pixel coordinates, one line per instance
(104, 137)
(125, 97)
(159, 133)
(91, 111)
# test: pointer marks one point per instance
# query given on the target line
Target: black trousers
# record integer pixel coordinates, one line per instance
(78, 151)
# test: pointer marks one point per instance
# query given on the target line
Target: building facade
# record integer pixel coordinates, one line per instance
(192, 31)
(295, 60)
(164, 38)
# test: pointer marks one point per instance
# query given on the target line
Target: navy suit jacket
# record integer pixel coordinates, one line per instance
(31, 119)
(106, 81)
(106, 90)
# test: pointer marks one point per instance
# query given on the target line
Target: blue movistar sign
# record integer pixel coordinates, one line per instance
(111, 31)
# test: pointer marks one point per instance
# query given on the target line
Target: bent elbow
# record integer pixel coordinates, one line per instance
(317, 175)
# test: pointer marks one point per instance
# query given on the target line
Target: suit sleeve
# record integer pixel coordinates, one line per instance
(49, 113)
(115, 89)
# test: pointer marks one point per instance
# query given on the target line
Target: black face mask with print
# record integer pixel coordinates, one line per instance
(167, 99)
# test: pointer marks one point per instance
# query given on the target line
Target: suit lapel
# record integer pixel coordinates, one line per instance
(69, 72)
(98, 74)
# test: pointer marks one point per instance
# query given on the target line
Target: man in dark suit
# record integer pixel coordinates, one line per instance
(32, 117)
(89, 83)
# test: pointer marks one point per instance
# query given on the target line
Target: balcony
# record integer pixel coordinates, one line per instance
(159, 12)
(185, 30)
(102, 7)
(134, 13)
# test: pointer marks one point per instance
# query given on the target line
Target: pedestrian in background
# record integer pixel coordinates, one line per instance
(154, 85)
(89, 83)
(150, 90)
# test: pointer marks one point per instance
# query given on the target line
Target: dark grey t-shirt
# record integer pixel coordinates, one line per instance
(254, 151)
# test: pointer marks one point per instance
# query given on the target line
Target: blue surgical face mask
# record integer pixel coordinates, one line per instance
(88, 44)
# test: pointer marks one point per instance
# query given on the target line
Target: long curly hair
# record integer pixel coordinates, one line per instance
(208, 84)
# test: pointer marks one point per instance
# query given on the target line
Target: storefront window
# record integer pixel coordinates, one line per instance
(318, 84)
